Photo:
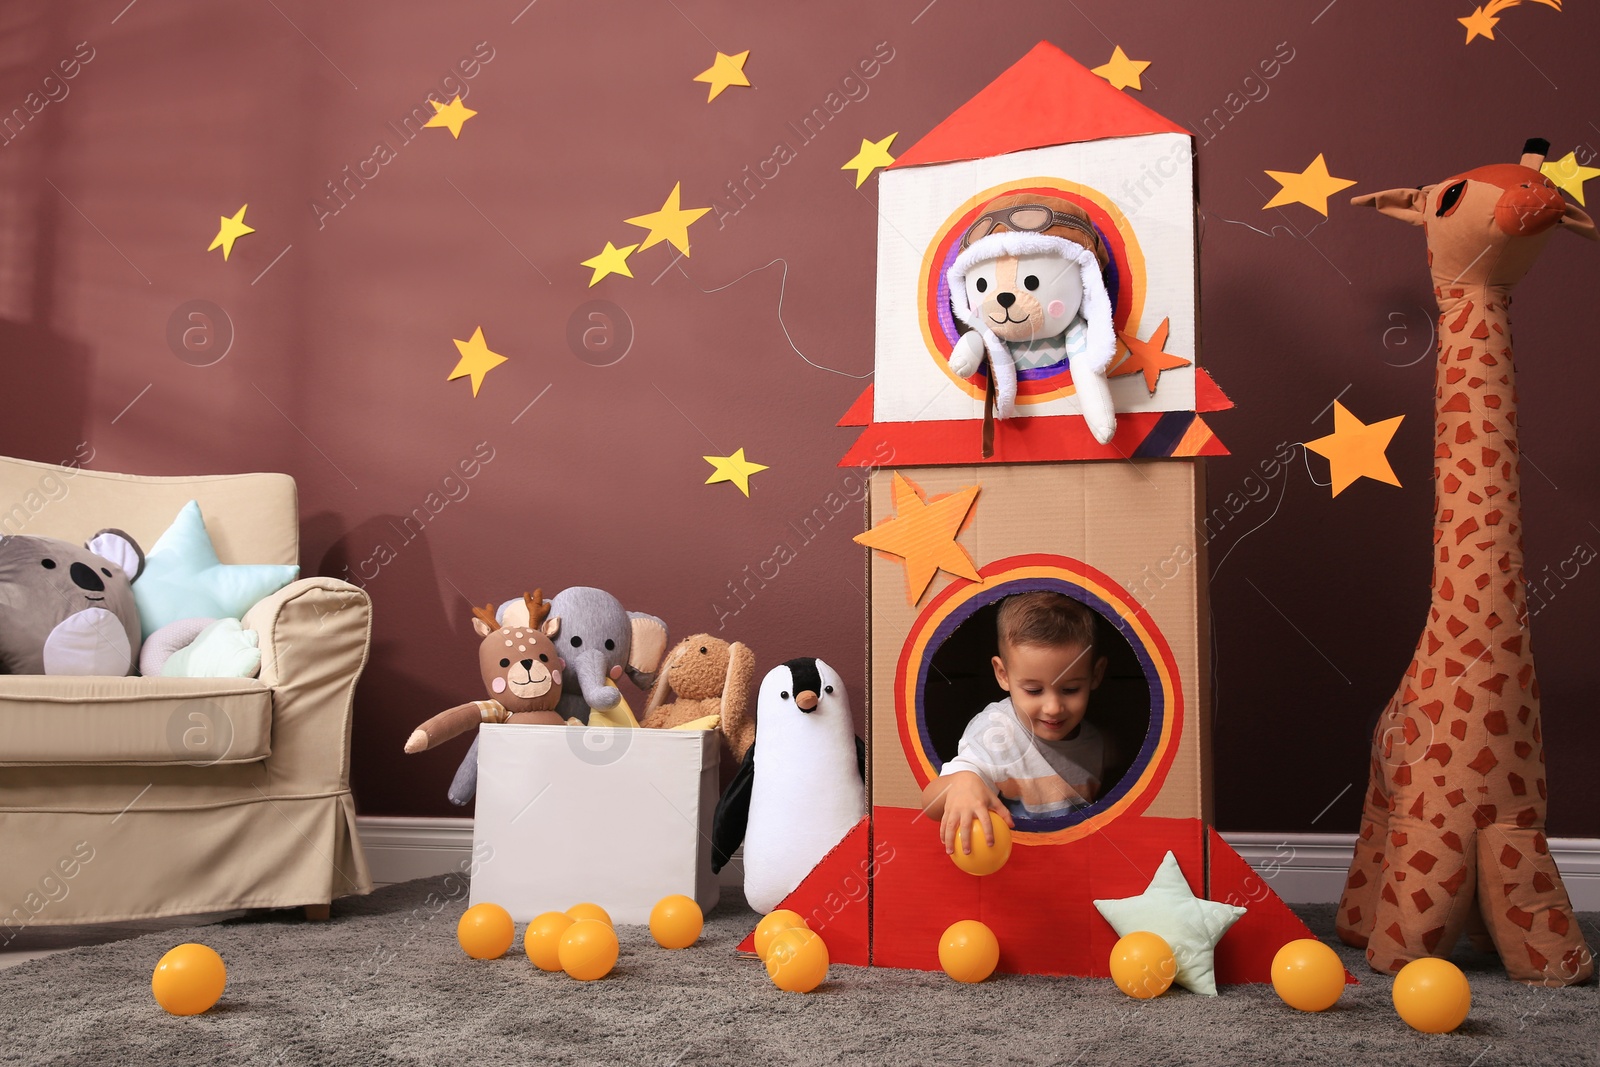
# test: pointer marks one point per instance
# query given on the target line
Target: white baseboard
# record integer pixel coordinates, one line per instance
(1300, 868)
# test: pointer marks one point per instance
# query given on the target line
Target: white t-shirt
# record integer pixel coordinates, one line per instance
(1035, 777)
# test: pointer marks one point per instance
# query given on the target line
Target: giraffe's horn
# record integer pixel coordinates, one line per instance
(1534, 152)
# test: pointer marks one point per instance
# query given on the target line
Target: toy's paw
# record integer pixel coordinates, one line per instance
(967, 356)
(1103, 426)
(417, 742)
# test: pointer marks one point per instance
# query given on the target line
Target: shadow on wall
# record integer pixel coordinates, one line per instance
(398, 689)
(39, 361)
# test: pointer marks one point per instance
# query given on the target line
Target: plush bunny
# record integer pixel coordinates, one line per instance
(707, 678)
(1028, 283)
(520, 668)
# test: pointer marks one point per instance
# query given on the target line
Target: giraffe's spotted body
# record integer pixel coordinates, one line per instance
(1452, 834)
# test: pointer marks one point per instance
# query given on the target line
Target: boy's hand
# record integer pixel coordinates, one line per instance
(969, 798)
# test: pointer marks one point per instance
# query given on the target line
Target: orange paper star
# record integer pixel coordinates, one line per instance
(923, 533)
(1482, 21)
(1356, 449)
(1310, 187)
(1146, 357)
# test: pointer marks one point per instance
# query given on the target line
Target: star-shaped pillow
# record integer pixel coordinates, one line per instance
(1190, 926)
(183, 579)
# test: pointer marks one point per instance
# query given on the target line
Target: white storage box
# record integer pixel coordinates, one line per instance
(618, 817)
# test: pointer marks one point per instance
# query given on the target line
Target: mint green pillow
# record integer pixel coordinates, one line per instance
(223, 649)
(183, 579)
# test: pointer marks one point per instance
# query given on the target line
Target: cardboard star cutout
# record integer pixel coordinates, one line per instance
(734, 468)
(1146, 357)
(670, 224)
(451, 116)
(1122, 72)
(1189, 925)
(873, 154)
(1356, 449)
(1310, 187)
(611, 260)
(923, 533)
(724, 71)
(1569, 175)
(230, 231)
(476, 360)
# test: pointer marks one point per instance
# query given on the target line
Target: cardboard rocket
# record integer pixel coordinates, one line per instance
(1117, 526)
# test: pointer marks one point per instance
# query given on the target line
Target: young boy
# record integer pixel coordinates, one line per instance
(1031, 753)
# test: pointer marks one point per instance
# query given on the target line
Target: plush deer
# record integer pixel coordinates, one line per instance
(1452, 831)
(520, 668)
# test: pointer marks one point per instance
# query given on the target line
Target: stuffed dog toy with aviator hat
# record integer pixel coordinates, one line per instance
(1028, 283)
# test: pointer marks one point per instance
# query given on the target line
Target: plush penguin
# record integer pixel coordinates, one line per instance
(811, 790)
(1028, 283)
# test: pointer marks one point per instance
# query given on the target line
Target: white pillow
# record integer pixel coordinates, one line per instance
(222, 650)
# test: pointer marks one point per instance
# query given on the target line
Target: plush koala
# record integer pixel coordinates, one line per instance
(69, 610)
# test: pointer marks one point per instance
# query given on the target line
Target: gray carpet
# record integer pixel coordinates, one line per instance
(385, 983)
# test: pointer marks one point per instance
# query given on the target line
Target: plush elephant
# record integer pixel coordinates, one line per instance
(600, 640)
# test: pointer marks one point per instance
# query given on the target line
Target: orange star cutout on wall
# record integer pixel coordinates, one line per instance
(1146, 357)
(923, 533)
(1482, 21)
(1356, 449)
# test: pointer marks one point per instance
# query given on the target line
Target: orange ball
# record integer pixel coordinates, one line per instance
(590, 911)
(676, 921)
(1308, 975)
(189, 979)
(797, 960)
(1432, 996)
(542, 939)
(485, 931)
(588, 950)
(1142, 965)
(969, 951)
(985, 859)
(773, 924)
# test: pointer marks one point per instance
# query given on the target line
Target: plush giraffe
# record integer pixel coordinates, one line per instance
(1452, 830)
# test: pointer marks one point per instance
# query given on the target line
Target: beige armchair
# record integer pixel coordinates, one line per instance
(125, 798)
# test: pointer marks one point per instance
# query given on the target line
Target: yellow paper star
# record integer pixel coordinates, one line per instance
(611, 260)
(230, 231)
(873, 154)
(923, 533)
(1146, 357)
(1310, 187)
(671, 223)
(476, 360)
(1569, 174)
(734, 468)
(1356, 449)
(724, 71)
(451, 116)
(1120, 71)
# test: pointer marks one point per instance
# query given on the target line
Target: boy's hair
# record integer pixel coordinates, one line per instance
(1045, 618)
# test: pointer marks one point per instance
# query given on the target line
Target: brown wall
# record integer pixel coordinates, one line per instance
(110, 194)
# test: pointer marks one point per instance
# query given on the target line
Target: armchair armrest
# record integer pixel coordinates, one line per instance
(314, 636)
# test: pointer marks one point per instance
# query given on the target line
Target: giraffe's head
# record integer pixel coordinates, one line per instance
(1486, 226)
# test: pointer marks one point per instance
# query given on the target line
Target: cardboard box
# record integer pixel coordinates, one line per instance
(618, 817)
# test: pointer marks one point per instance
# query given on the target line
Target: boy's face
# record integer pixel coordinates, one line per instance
(1049, 685)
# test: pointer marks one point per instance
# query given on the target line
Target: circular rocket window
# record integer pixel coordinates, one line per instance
(946, 678)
